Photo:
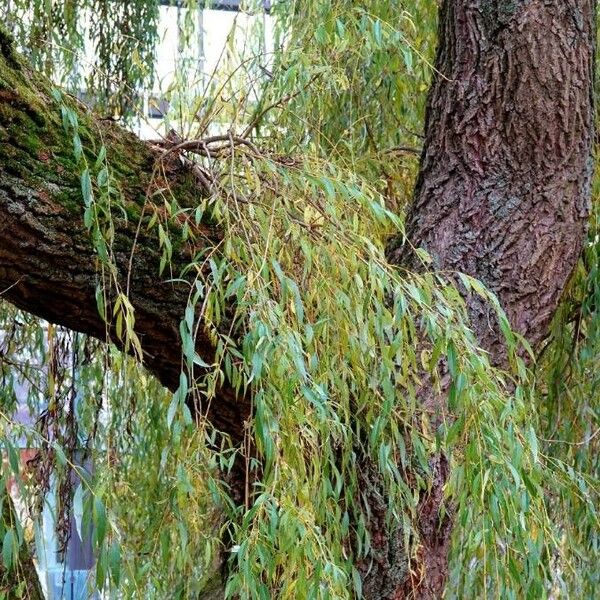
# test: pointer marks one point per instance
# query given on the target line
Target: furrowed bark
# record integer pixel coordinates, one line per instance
(504, 186)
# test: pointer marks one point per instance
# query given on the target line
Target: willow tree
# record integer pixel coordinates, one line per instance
(347, 414)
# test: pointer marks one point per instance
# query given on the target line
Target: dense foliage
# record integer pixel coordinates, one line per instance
(333, 344)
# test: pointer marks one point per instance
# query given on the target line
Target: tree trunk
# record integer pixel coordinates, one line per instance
(504, 186)
(502, 195)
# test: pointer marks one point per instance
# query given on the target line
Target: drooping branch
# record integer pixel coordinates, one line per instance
(48, 265)
(501, 195)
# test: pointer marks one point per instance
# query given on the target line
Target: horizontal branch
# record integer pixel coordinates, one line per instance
(48, 264)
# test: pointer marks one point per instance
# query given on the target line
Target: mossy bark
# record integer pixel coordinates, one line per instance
(48, 265)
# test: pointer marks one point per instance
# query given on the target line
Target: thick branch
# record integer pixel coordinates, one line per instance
(48, 266)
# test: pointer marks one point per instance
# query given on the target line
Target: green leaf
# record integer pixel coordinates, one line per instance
(101, 157)
(9, 549)
(114, 562)
(533, 443)
(77, 149)
(99, 517)
(60, 455)
(86, 187)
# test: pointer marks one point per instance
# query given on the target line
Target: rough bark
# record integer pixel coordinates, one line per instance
(504, 185)
(505, 175)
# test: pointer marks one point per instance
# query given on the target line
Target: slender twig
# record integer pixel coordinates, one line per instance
(256, 120)
(403, 150)
(10, 287)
